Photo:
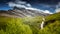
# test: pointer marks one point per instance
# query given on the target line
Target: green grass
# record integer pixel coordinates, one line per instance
(52, 24)
(10, 25)
(30, 25)
(34, 23)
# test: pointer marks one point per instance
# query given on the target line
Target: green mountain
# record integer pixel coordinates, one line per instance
(29, 25)
(52, 24)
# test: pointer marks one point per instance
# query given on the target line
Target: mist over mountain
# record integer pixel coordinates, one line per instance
(22, 12)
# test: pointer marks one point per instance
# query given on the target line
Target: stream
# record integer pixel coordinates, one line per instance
(42, 24)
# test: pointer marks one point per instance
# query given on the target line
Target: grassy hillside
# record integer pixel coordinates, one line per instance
(52, 24)
(30, 25)
(34, 23)
(10, 25)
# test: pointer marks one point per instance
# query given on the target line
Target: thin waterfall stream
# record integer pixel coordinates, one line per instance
(42, 24)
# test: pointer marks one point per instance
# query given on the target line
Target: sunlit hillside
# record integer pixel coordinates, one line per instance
(30, 25)
(27, 25)
(52, 24)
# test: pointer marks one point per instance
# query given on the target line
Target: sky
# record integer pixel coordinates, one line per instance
(43, 5)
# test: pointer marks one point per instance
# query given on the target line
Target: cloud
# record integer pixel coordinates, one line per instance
(22, 4)
(28, 5)
(57, 7)
(57, 10)
(46, 11)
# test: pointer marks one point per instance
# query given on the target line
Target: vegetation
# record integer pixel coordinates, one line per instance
(53, 28)
(13, 26)
(55, 16)
(10, 25)
(34, 23)
(52, 25)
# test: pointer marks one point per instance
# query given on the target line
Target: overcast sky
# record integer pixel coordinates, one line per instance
(38, 4)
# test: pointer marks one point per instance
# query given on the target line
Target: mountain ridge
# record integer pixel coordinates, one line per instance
(21, 12)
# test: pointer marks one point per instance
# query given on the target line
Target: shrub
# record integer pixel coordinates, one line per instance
(10, 25)
(53, 28)
(52, 25)
(34, 23)
(55, 16)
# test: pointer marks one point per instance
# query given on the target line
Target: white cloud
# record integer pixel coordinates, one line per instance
(46, 11)
(11, 4)
(19, 2)
(28, 5)
(57, 8)
(22, 4)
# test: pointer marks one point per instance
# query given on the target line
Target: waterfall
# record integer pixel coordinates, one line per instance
(42, 24)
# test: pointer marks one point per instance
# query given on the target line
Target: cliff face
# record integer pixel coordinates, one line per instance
(21, 12)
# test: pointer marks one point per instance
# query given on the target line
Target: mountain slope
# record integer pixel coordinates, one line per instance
(21, 12)
(27, 12)
(52, 24)
(52, 18)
